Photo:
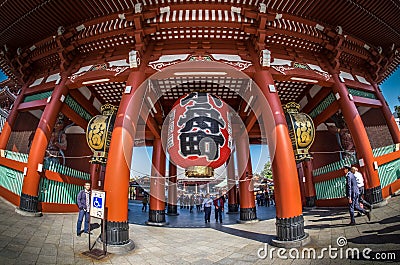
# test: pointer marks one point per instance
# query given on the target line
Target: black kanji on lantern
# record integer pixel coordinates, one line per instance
(202, 122)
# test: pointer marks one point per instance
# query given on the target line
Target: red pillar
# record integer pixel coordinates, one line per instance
(12, 117)
(157, 186)
(233, 205)
(172, 190)
(246, 191)
(95, 176)
(359, 134)
(289, 217)
(116, 182)
(309, 184)
(29, 194)
(390, 121)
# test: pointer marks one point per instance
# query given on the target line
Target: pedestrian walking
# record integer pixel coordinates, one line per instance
(145, 201)
(83, 201)
(352, 195)
(219, 207)
(360, 185)
(207, 203)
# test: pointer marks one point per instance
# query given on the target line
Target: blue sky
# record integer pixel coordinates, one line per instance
(260, 155)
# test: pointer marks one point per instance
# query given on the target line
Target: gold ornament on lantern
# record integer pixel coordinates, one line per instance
(98, 133)
(301, 130)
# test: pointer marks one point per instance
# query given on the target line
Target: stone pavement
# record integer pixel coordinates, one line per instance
(51, 239)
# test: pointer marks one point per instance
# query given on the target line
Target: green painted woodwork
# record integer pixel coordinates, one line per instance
(322, 106)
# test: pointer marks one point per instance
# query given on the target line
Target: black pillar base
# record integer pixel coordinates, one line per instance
(374, 195)
(248, 214)
(117, 233)
(172, 209)
(310, 201)
(29, 203)
(290, 229)
(233, 208)
(156, 218)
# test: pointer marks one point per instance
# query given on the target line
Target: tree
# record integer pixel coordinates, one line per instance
(267, 171)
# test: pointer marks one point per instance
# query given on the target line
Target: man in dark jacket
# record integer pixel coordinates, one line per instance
(352, 194)
(83, 201)
(219, 207)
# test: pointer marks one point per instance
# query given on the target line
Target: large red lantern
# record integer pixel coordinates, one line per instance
(199, 133)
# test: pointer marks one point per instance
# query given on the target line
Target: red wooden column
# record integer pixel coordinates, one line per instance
(157, 186)
(289, 217)
(95, 176)
(233, 205)
(390, 121)
(12, 117)
(172, 208)
(359, 134)
(116, 182)
(246, 191)
(29, 195)
(309, 184)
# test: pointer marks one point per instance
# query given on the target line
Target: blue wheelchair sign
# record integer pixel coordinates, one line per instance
(97, 202)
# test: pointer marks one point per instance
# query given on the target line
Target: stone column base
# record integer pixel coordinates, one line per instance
(233, 208)
(117, 233)
(374, 195)
(118, 249)
(30, 214)
(310, 201)
(248, 215)
(29, 203)
(172, 210)
(156, 218)
(290, 229)
(292, 244)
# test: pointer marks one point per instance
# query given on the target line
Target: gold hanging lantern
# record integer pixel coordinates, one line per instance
(301, 130)
(98, 133)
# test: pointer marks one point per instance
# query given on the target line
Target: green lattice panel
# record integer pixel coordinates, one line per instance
(389, 172)
(361, 93)
(20, 157)
(58, 192)
(331, 189)
(322, 106)
(38, 96)
(77, 108)
(335, 166)
(11, 179)
(380, 151)
(67, 171)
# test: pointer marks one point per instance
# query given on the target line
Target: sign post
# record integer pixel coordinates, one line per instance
(97, 210)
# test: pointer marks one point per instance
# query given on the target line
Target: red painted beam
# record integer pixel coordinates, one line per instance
(19, 166)
(9, 196)
(391, 189)
(32, 105)
(387, 158)
(328, 176)
(368, 102)
(55, 176)
(73, 116)
(85, 103)
(326, 114)
(358, 85)
(338, 202)
(323, 93)
(47, 207)
(40, 88)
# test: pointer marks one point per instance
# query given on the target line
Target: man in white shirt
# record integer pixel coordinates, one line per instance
(207, 203)
(360, 185)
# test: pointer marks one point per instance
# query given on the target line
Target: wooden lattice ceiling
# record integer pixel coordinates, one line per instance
(26, 22)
